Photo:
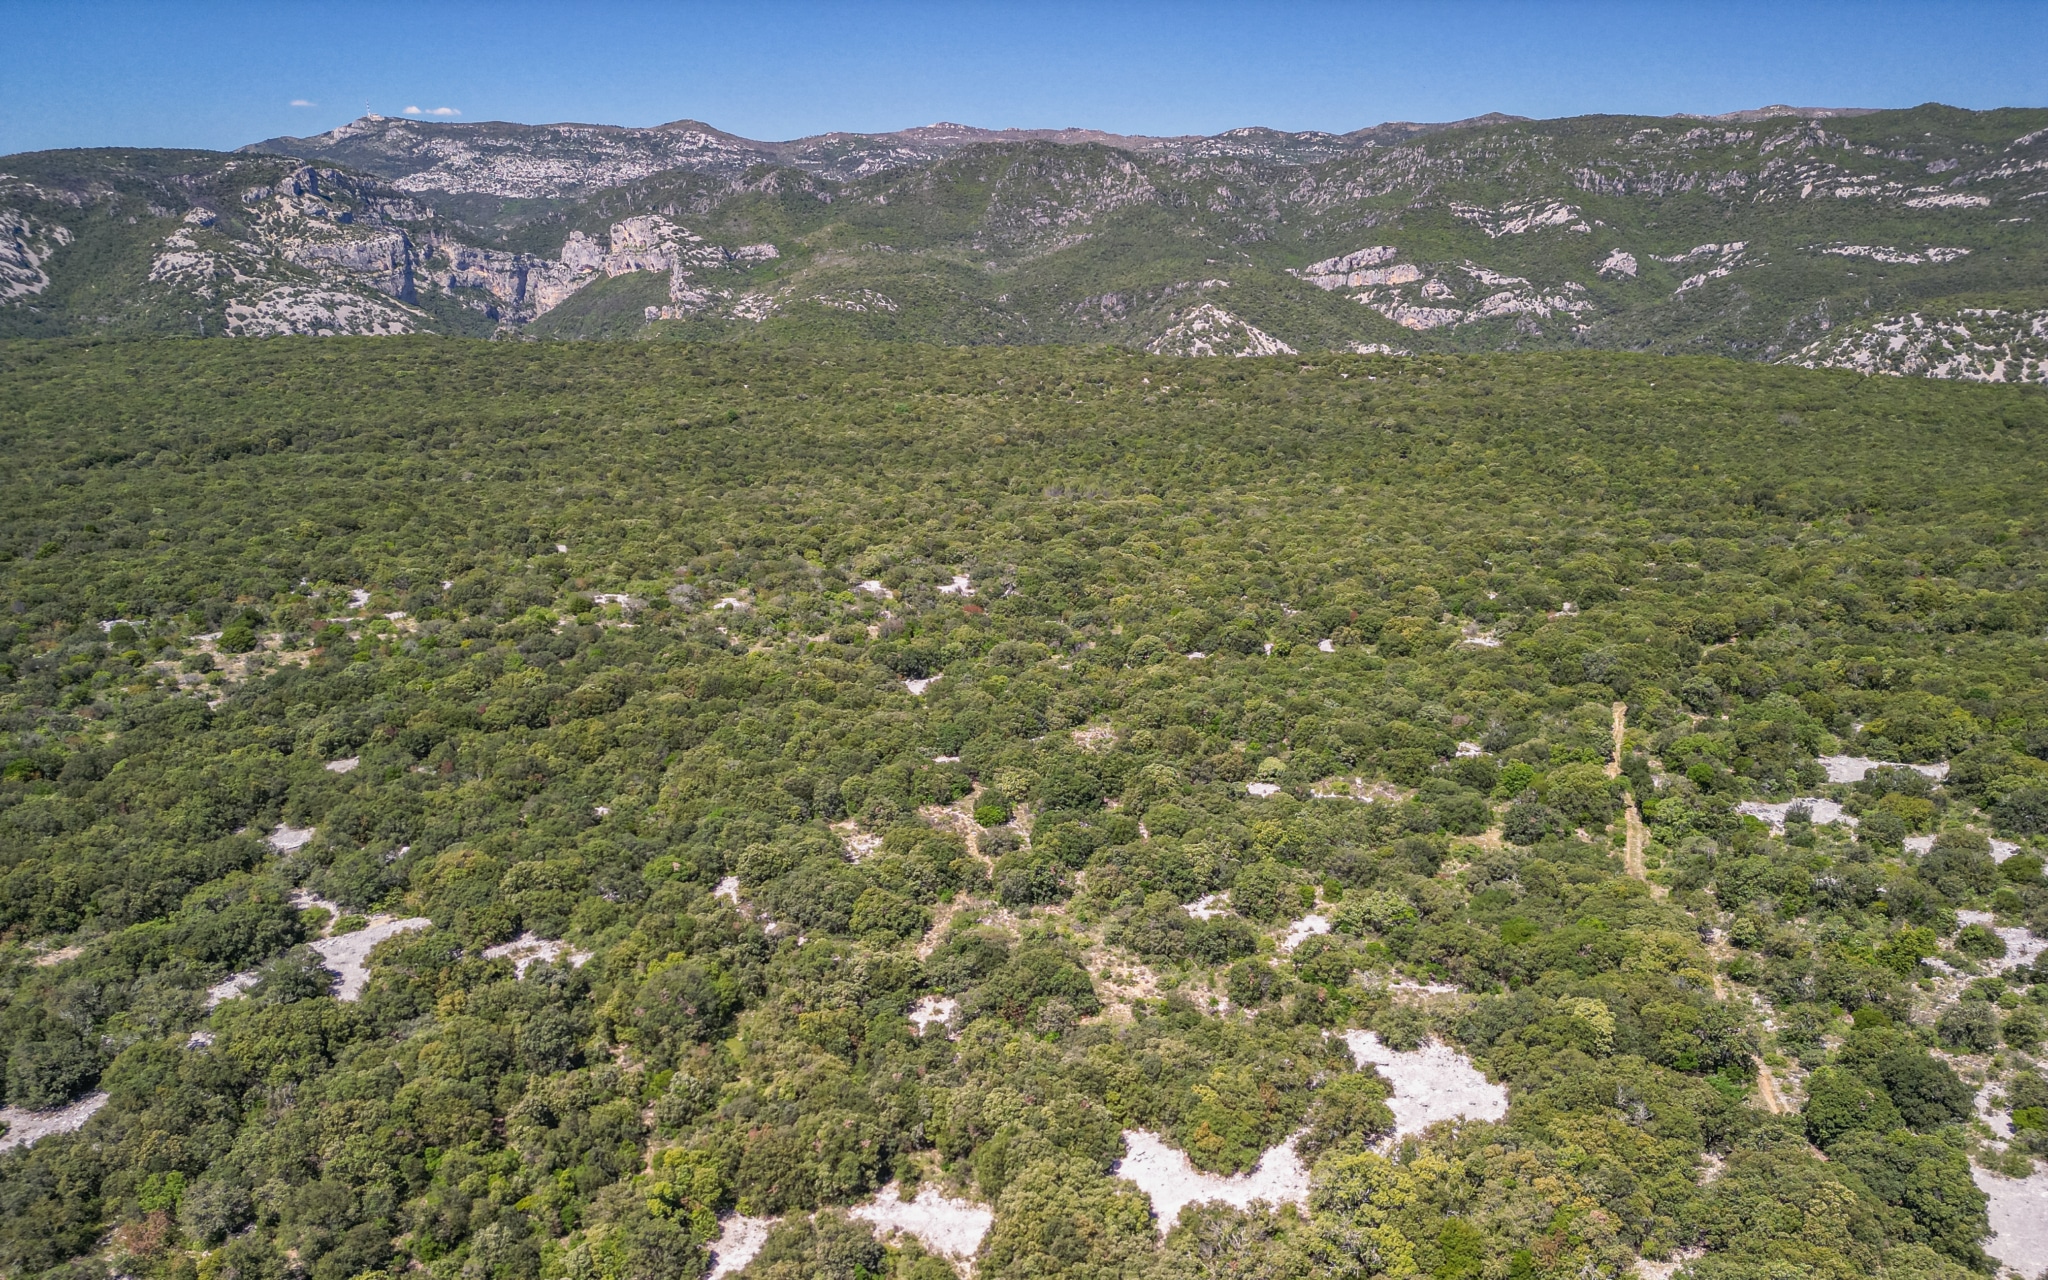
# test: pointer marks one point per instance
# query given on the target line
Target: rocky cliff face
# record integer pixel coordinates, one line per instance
(25, 245)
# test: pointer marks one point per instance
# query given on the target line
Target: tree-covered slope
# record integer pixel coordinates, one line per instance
(795, 689)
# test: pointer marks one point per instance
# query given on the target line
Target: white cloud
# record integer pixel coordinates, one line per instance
(412, 111)
(301, 102)
(432, 111)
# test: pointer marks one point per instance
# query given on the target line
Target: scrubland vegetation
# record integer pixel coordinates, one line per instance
(621, 642)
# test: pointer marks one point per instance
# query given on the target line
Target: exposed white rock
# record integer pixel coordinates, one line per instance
(317, 311)
(1935, 255)
(858, 301)
(933, 1011)
(1618, 263)
(230, 987)
(1262, 789)
(1823, 811)
(25, 245)
(961, 585)
(1947, 200)
(1356, 260)
(950, 1228)
(1208, 330)
(1325, 646)
(1646, 1269)
(2021, 946)
(1360, 269)
(1207, 908)
(1970, 344)
(1431, 1084)
(739, 1239)
(1703, 251)
(24, 1128)
(755, 307)
(1425, 988)
(1172, 1181)
(348, 954)
(729, 889)
(917, 687)
(1303, 929)
(1469, 751)
(1727, 258)
(530, 948)
(860, 845)
(347, 764)
(1518, 219)
(380, 259)
(2019, 1219)
(287, 838)
(1414, 317)
(1855, 768)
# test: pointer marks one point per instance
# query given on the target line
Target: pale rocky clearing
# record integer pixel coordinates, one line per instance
(1855, 768)
(1823, 811)
(1303, 929)
(1430, 1084)
(2019, 1220)
(2021, 946)
(933, 1011)
(1172, 1182)
(347, 954)
(287, 838)
(26, 1127)
(529, 948)
(739, 1239)
(948, 1227)
(1435, 1082)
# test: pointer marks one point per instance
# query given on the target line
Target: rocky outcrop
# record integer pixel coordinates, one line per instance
(650, 242)
(318, 312)
(25, 245)
(1972, 344)
(528, 286)
(382, 260)
(1206, 329)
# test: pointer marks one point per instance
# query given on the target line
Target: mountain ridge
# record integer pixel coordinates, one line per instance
(1779, 233)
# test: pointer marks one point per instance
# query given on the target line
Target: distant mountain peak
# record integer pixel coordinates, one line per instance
(1777, 110)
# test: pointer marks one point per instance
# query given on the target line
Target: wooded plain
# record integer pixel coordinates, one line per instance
(794, 688)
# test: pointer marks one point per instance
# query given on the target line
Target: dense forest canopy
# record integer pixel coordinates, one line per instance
(495, 809)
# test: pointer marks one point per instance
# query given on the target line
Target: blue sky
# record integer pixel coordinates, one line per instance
(202, 74)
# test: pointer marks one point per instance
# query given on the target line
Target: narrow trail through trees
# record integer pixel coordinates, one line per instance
(1632, 859)
(1637, 834)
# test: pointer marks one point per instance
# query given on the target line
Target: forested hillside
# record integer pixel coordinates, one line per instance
(544, 810)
